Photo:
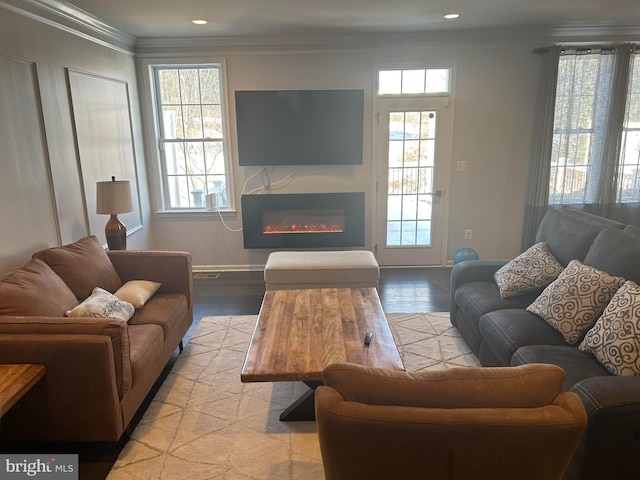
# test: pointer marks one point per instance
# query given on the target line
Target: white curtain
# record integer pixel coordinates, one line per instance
(588, 108)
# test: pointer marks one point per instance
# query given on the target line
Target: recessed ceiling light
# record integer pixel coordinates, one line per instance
(452, 16)
(199, 22)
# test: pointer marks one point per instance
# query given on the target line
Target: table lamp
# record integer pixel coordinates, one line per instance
(114, 197)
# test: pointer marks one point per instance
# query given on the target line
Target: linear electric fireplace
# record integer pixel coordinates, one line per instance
(303, 220)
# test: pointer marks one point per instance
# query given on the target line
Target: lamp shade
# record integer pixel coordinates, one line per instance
(113, 197)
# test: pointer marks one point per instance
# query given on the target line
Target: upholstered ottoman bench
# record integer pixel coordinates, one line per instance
(327, 269)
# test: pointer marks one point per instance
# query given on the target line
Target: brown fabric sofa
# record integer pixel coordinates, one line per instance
(459, 423)
(98, 370)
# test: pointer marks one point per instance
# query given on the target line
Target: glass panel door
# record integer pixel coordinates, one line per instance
(410, 177)
(413, 155)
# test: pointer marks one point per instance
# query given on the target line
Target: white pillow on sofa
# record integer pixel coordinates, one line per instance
(573, 302)
(531, 270)
(615, 338)
(137, 292)
(102, 304)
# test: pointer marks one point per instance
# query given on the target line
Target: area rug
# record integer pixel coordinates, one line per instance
(204, 424)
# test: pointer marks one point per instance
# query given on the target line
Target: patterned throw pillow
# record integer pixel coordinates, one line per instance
(102, 304)
(572, 303)
(532, 269)
(615, 338)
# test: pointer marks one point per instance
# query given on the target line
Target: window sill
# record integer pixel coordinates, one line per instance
(193, 213)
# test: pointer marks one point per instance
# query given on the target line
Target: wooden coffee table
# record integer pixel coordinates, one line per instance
(299, 332)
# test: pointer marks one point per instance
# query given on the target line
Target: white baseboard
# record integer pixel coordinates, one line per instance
(226, 268)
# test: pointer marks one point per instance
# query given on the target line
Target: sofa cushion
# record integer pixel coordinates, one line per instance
(576, 364)
(572, 303)
(505, 331)
(82, 265)
(626, 260)
(166, 310)
(570, 233)
(147, 345)
(147, 362)
(477, 298)
(102, 304)
(473, 300)
(137, 292)
(615, 338)
(33, 289)
(531, 270)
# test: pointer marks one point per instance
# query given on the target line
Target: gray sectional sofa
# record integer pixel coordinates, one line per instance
(501, 332)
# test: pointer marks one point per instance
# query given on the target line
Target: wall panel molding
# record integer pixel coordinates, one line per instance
(27, 200)
(104, 142)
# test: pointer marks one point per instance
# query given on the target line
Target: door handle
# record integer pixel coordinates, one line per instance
(438, 193)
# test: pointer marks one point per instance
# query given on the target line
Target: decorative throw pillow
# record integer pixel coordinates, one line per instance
(137, 292)
(572, 303)
(33, 289)
(535, 268)
(615, 338)
(102, 304)
(82, 265)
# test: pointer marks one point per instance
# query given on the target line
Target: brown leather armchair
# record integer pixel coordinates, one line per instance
(459, 423)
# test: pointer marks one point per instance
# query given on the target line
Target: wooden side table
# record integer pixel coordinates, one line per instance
(16, 380)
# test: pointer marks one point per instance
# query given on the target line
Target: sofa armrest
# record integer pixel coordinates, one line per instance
(472, 271)
(172, 269)
(605, 394)
(54, 329)
(611, 445)
(76, 399)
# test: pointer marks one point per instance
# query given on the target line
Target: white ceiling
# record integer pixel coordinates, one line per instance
(228, 18)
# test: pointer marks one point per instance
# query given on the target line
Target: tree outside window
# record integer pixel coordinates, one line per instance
(191, 130)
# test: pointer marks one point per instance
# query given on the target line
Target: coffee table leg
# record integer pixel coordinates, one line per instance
(303, 409)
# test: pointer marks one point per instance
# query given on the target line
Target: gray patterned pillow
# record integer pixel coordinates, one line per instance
(615, 338)
(532, 269)
(572, 303)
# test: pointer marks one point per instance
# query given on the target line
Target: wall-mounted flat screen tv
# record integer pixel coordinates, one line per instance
(299, 127)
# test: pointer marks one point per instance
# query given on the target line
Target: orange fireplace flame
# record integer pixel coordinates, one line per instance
(303, 228)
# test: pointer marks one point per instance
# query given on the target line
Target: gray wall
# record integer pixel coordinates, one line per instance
(494, 106)
(42, 201)
(43, 178)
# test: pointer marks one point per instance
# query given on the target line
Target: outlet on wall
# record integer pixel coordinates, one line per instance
(468, 234)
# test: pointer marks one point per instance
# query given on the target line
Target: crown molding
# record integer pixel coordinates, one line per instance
(356, 42)
(65, 16)
(150, 46)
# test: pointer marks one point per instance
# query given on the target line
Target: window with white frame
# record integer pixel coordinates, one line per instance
(414, 81)
(592, 146)
(191, 135)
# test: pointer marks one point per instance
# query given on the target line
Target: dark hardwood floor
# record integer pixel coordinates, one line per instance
(402, 290)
